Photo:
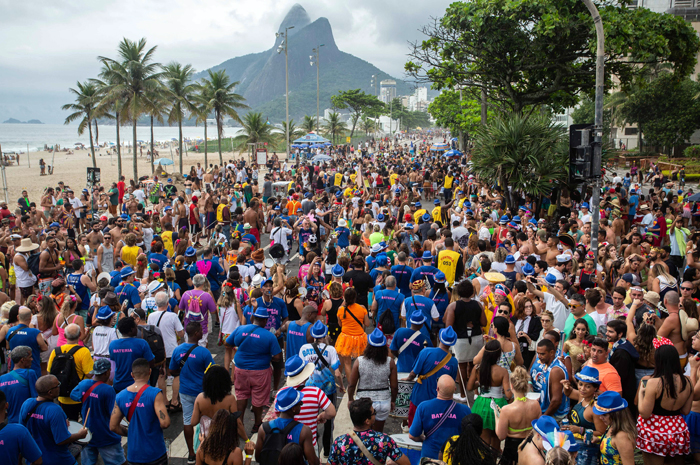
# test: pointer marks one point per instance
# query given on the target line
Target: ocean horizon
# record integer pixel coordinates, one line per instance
(17, 137)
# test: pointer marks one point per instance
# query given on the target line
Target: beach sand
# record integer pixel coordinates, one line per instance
(72, 169)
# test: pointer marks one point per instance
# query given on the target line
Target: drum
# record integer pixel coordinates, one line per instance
(410, 448)
(403, 399)
(74, 427)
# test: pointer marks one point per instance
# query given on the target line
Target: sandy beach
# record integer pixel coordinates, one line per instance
(72, 169)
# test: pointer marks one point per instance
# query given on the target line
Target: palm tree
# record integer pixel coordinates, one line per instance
(367, 124)
(309, 124)
(111, 104)
(223, 102)
(133, 77)
(181, 93)
(294, 131)
(256, 130)
(203, 99)
(86, 100)
(157, 108)
(334, 126)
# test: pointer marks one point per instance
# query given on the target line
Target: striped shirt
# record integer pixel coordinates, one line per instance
(314, 400)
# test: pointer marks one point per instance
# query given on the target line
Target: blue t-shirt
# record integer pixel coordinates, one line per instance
(145, 439)
(192, 374)
(116, 278)
(249, 238)
(100, 403)
(293, 435)
(343, 236)
(389, 300)
(256, 347)
(441, 301)
(428, 414)
(633, 202)
(371, 262)
(25, 336)
(47, 425)
(296, 337)
(128, 292)
(277, 310)
(158, 258)
(408, 357)
(123, 352)
(18, 386)
(402, 273)
(80, 289)
(425, 305)
(425, 271)
(426, 361)
(15, 439)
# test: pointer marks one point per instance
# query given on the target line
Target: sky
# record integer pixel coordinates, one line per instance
(49, 45)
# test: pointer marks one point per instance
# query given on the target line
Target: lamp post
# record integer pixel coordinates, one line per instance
(374, 83)
(598, 122)
(283, 48)
(315, 59)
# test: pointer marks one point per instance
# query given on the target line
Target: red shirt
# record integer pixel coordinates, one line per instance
(121, 186)
(193, 214)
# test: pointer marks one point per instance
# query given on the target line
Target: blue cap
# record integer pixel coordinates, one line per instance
(368, 202)
(551, 279)
(528, 270)
(167, 208)
(380, 217)
(448, 336)
(417, 205)
(436, 201)
(425, 217)
(584, 205)
(124, 216)
(101, 366)
(170, 180)
(680, 191)
(426, 255)
(633, 191)
(287, 398)
(510, 259)
(277, 207)
(521, 207)
(190, 252)
(319, 330)
(339, 194)
(261, 312)
(376, 338)
(127, 271)
(408, 226)
(54, 225)
(383, 245)
(417, 318)
(609, 401)
(266, 282)
(467, 205)
(516, 219)
(307, 195)
(440, 277)
(104, 313)
(337, 270)
(533, 221)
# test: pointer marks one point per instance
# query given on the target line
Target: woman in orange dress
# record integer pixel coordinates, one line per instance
(353, 319)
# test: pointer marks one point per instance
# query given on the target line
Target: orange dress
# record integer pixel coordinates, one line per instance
(352, 339)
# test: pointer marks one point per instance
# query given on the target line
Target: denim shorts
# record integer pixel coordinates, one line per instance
(382, 407)
(187, 408)
(111, 455)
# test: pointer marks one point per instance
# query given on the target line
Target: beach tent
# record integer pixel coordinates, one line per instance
(310, 138)
(439, 147)
(321, 158)
(163, 161)
(453, 153)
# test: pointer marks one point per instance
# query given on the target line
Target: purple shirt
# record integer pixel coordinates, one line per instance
(206, 305)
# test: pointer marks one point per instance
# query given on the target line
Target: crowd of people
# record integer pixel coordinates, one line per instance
(477, 316)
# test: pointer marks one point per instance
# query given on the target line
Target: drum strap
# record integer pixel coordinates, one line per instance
(358, 442)
(439, 366)
(408, 342)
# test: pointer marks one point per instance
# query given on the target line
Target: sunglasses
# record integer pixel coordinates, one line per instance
(686, 288)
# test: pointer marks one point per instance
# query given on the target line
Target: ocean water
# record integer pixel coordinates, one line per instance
(17, 137)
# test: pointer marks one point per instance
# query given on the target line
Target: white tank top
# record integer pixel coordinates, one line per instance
(24, 278)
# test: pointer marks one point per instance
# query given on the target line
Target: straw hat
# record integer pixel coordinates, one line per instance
(298, 370)
(27, 245)
(652, 298)
(494, 277)
(687, 324)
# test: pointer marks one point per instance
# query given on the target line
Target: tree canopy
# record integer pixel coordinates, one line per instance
(457, 114)
(359, 103)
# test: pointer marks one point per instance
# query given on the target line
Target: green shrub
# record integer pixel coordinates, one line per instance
(689, 177)
(692, 152)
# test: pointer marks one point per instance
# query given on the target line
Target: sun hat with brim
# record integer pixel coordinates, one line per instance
(319, 330)
(127, 271)
(494, 277)
(687, 324)
(110, 299)
(376, 248)
(426, 255)
(256, 281)
(608, 402)
(652, 298)
(588, 375)
(104, 275)
(297, 370)
(261, 312)
(153, 286)
(104, 313)
(27, 246)
(342, 223)
(417, 318)
(376, 338)
(448, 336)
(337, 270)
(287, 398)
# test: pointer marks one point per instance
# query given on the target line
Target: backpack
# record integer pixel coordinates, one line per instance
(463, 241)
(33, 263)
(194, 308)
(63, 367)
(275, 440)
(155, 342)
(386, 322)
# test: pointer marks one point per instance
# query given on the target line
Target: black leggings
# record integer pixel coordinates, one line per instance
(328, 430)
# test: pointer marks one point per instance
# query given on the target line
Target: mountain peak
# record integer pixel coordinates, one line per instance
(297, 17)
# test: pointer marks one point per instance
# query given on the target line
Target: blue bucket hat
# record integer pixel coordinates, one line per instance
(426, 255)
(584, 205)
(287, 398)
(127, 271)
(467, 205)
(504, 219)
(337, 270)
(551, 279)
(426, 217)
(376, 338)
(104, 313)
(190, 252)
(528, 270)
(319, 330)
(440, 277)
(608, 402)
(380, 217)
(552, 436)
(368, 202)
(510, 260)
(417, 318)
(588, 375)
(339, 194)
(417, 205)
(436, 201)
(516, 219)
(261, 312)
(448, 336)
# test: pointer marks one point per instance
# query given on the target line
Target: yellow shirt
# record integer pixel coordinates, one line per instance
(129, 254)
(167, 237)
(437, 214)
(393, 178)
(447, 263)
(348, 192)
(448, 182)
(83, 365)
(353, 177)
(446, 450)
(418, 214)
(338, 179)
(220, 213)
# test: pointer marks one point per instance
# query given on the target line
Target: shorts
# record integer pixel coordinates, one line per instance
(253, 385)
(255, 232)
(411, 412)
(205, 337)
(26, 291)
(464, 351)
(382, 409)
(187, 403)
(111, 455)
(693, 421)
(279, 364)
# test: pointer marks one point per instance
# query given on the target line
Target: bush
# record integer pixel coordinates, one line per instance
(692, 152)
(689, 177)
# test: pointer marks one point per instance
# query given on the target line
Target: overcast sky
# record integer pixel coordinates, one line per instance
(48, 45)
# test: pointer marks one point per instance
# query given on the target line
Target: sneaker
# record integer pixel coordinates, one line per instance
(459, 398)
(405, 429)
(191, 460)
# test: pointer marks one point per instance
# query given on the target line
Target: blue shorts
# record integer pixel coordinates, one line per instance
(693, 422)
(111, 455)
(187, 408)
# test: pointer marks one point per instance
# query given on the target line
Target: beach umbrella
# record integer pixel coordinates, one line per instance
(327, 144)
(321, 158)
(163, 161)
(694, 198)
(453, 153)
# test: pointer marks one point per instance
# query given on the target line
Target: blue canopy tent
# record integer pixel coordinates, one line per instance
(310, 138)
(321, 158)
(439, 147)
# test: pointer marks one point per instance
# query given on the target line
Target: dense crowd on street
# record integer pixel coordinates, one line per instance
(477, 316)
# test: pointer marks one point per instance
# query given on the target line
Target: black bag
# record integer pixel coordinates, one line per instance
(275, 440)
(386, 322)
(63, 367)
(277, 251)
(33, 263)
(155, 342)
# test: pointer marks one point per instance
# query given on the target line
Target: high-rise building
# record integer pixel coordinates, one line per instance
(387, 90)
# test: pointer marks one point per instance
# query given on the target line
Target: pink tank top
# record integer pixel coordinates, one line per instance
(62, 331)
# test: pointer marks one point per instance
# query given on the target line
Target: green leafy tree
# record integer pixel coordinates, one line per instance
(204, 109)
(333, 126)
(111, 104)
(87, 98)
(224, 102)
(460, 115)
(665, 110)
(408, 119)
(368, 125)
(158, 108)
(180, 90)
(133, 77)
(358, 103)
(528, 53)
(309, 124)
(526, 153)
(295, 132)
(256, 129)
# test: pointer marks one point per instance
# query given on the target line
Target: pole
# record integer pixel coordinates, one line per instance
(4, 178)
(598, 128)
(28, 160)
(286, 87)
(318, 87)
(483, 107)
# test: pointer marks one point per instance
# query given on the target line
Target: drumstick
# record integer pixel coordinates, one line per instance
(87, 415)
